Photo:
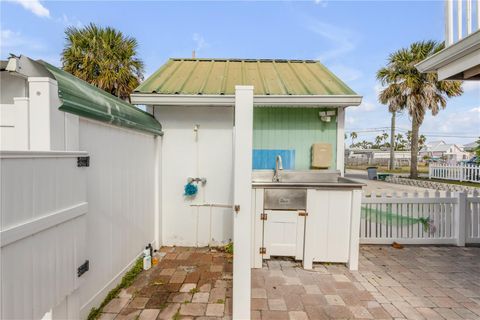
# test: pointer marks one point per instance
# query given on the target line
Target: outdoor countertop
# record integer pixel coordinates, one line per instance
(343, 183)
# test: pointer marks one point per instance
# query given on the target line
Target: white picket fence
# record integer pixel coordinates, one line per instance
(460, 172)
(453, 219)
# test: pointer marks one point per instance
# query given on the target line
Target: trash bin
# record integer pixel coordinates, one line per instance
(372, 173)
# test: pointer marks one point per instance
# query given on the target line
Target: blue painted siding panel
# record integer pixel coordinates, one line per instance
(265, 158)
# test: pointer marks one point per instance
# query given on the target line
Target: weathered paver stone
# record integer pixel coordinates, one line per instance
(169, 311)
(429, 313)
(116, 305)
(312, 289)
(334, 300)
(360, 312)
(128, 314)
(274, 315)
(107, 316)
(138, 303)
(297, 315)
(180, 297)
(277, 304)
(259, 293)
(215, 309)
(205, 287)
(217, 294)
(149, 314)
(188, 287)
(200, 297)
(259, 304)
(193, 309)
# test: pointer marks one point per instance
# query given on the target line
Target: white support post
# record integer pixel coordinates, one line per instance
(355, 230)
(242, 195)
(478, 14)
(459, 20)
(46, 122)
(158, 192)
(341, 140)
(460, 217)
(448, 22)
(469, 16)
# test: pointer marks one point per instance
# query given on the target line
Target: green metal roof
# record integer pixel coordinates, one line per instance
(219, 77)
(86, 100)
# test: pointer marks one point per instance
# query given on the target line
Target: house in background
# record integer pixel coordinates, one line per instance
(460, 60)
(439, 150)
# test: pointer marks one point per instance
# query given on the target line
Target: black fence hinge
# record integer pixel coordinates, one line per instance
(83, 161)
(83, 268)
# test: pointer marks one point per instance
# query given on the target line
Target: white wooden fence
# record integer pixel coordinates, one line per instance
(452, 219)
(461, 172)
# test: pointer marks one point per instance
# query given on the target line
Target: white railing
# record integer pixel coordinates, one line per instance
(460, 172)
(462, 18)
(451, 219)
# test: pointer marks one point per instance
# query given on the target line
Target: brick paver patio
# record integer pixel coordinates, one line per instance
(411, 283)
(187, 283)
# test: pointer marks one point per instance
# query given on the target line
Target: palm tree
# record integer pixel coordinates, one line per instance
(378, 141)
(353, 136)
(103, 57)
(407, 88)
(391, 96)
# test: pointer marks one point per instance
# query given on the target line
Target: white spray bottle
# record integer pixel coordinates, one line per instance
(147, 259)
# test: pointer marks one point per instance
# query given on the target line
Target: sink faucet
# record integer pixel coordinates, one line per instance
(278, 167)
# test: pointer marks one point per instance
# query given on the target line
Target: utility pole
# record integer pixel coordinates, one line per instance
(392, 142)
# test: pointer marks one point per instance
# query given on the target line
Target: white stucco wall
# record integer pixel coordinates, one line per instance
(185, 155)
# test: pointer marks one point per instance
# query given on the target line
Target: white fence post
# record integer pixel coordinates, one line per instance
(460, 214)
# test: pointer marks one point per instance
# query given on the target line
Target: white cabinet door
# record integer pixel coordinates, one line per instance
(339, 207)
(327, 234)
(283, 233)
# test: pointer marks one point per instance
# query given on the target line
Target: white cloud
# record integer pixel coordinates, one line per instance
(199, 42)
(34, 6)
(458, 123)
(341, 40)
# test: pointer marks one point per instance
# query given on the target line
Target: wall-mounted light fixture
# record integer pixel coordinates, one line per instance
(326, 116)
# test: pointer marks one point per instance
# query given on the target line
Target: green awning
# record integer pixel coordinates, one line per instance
(85, 100)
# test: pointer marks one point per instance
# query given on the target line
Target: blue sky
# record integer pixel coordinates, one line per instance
(352, 38)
